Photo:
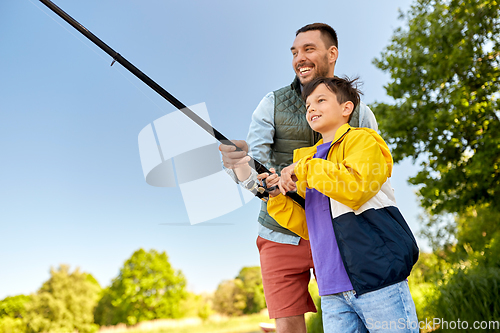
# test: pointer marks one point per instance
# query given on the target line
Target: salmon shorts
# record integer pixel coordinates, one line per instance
(285, 276)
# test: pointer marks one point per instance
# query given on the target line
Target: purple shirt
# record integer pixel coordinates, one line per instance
(329, 268)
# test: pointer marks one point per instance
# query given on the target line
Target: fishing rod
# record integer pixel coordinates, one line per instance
(260, 192)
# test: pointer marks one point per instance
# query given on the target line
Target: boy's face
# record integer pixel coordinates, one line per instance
(324, 113)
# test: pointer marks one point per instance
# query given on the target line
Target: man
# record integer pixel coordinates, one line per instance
(279, 127)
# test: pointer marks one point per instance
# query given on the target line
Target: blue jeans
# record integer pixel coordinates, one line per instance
(390, 309)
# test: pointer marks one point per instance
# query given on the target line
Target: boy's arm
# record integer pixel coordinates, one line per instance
(357, 178)
(288, 214)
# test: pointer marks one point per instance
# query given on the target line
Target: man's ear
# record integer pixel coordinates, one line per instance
(348, 108)
(333, 54)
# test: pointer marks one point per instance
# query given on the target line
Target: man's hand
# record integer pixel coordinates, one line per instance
(271, 180)
(236, 160)
(288, 179)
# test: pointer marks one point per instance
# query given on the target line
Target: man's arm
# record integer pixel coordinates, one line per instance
(366, 117)
(261, 132)
(258, 144)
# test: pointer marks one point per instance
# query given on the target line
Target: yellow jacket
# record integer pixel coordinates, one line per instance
(357, 166)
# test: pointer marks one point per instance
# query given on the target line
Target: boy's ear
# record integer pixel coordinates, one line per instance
(347, 108)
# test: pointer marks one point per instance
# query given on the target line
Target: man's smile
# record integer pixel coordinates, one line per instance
(304, 70)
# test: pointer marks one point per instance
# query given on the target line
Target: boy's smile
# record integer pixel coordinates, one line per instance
(313, 118)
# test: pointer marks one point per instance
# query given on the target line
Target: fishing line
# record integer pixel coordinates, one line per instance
(259, 191)
(116, 68)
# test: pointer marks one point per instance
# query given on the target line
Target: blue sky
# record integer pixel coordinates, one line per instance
(71, 184)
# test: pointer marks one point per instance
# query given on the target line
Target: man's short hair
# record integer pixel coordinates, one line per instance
(328, 34)
(344, 88)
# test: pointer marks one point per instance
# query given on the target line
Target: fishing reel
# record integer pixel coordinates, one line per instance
(259, 190)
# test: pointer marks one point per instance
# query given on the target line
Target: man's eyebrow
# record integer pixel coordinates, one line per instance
(305, 45)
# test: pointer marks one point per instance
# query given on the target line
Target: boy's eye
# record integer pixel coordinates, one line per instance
(321, 100)
(307, 106)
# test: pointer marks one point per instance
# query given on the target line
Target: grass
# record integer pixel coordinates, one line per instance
(243, 324)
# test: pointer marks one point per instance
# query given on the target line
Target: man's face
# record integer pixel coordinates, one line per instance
(311, 58)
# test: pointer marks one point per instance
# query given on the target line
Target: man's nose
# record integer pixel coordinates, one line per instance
(300, 57)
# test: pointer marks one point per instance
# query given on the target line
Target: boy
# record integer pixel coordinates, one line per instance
(362, 248)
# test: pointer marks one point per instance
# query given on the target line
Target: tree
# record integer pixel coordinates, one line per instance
(14, 306)
(445, 73)
(12, 313)
(146, 288)
(64, 303)
(229, 298)
(253, 289)
(242, 295)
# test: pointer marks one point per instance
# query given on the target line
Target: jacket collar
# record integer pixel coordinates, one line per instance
(296, 86)
(341, 132)
(308, 151)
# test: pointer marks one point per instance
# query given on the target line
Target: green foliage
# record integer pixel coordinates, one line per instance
(460, 279)
(314, 321)
(196, 306)
(146, 288)
(478, 236)
(204, 312)
(445, 73)
(64, 303)
(252, 289)
(466, 239)
(12, 312)
(242, 295)
(471, 295)
(229, 298)
(12, 325)
(444, 68)
(14, 306)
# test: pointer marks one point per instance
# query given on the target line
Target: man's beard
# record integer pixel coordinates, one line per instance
(321, 71)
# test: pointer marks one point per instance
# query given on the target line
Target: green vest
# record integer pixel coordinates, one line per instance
(291, 132)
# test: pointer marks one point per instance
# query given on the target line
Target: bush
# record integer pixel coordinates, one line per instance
(469, 295)
(242, 295)
(229, 298)
(314, 321)
(197, 306)
(64, 303)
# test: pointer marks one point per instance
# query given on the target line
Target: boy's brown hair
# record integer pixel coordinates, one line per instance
(344, 88)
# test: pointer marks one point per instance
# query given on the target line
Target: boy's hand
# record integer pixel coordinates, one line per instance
(271, 180)
(288, 179)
